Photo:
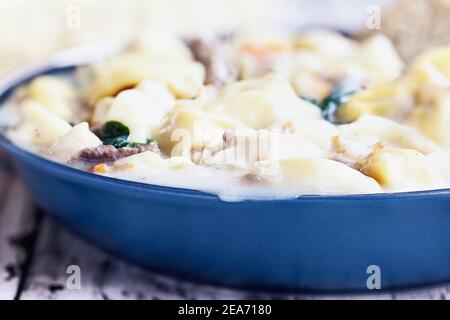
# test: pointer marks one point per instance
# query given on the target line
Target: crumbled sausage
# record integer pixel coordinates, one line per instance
(104, 153)
(127, 151)
(109, 153)
(229, 137)
(220, 68)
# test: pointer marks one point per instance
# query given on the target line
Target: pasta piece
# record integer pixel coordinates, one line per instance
(262, 102)
(149, 162)
(133, 108)
(186, 129)
(77, 138)
(158, 93)
(326, 43)
(183, 78)
(306, 175)
(356, 140)
(161, 44)
(316, 131)
(432, 115)
(39, 127)
(141, 109)
(54, 94)
(243, 147)
(432, 67)
(311, 84)
(440, 160)
(393, 100)
(101, 110)
(401, 169)
(380, 57)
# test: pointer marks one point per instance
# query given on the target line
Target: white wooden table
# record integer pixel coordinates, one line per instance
(35, 253)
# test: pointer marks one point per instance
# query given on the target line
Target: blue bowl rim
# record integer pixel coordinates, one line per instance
(45, 69)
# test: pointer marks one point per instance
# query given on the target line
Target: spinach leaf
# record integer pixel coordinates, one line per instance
(311, 100)
(340, 95)
(113, 130)
(116, 133)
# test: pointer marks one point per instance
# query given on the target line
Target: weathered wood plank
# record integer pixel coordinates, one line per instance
(16, 222)
(54, 251)
(106, 277)
(102, 276)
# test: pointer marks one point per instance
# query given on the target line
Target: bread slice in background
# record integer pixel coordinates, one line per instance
(416, 25)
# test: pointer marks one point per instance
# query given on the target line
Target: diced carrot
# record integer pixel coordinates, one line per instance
(258, 52)
(100, 168)
(263, 51)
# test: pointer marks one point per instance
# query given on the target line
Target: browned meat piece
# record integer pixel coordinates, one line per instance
(100, 154)
(126, 152)
(220, 68)
(108, 153)
(229, 137)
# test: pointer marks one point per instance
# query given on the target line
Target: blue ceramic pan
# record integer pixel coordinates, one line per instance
(313, 243)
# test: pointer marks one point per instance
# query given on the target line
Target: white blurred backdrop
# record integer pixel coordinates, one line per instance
(32, 28)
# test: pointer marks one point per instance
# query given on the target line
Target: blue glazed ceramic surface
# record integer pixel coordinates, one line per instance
(313, 243)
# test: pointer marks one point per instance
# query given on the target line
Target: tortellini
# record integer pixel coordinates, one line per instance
(356, 140)
(243, 147)
(311, 85)
(317, 131)
(184, 78)
(326, 43)
(156, 55)
(262, 102)
(101, 110)
(323, 176)
(432, 67)
(374, 61)
(432, 115)
(55, 94)
(140, 109)
(39, 128)
(392, 100)
(161, 44)
(419, 98)
(440, 160)
(401, 169)
(77, 138)
(379, 56)
(186, 129)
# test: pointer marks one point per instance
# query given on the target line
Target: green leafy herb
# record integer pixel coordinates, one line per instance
(312, 100)
(340, 95)
(116, 133)
(114, 129)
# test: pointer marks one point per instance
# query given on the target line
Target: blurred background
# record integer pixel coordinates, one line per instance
(33, 28)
